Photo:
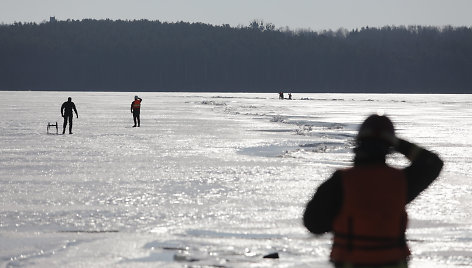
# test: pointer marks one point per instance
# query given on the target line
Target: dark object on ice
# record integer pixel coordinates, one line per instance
(364, 206)
(136, 110)
(183, 257)
(66, 112)
(281, 95)
(53, 125)
(274, 255)
(289, 96)
(174, 248)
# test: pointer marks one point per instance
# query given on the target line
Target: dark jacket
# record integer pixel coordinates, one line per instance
(67, 108)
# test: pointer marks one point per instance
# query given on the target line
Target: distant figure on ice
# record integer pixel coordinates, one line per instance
(66, 112)
(135, 110)
(281, 95)
(364, 205)
(289, 96)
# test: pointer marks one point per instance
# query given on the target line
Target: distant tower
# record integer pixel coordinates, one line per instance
(52, 19)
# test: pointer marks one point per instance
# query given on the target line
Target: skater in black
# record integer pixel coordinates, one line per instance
(135, 110)
(66, 112)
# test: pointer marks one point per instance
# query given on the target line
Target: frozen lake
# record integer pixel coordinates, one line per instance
(211, 179)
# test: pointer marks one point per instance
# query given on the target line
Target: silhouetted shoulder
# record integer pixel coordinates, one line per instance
(322, 209)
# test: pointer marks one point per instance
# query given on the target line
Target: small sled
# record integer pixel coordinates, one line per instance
(53, 125)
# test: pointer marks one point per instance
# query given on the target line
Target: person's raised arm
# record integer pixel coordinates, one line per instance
(424, 168)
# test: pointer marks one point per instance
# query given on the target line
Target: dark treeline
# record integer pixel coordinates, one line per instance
(155, 56)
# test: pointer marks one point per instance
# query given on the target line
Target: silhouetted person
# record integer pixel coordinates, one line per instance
(281, 95)
(66, 112)
(289, 96)
(364, 205)
(136, 110)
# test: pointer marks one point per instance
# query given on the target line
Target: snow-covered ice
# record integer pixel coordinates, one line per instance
(210, 179)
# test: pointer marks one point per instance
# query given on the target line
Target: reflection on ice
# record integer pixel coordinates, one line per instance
(211, 179)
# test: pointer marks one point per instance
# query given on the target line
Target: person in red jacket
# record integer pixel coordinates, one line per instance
(364, 206)
(136, 110)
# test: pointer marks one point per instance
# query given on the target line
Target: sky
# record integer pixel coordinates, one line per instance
(295, 14)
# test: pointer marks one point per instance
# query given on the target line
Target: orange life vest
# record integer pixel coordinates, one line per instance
(370, 228)
(137, 104)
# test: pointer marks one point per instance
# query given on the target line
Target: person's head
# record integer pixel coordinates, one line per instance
(373, 137)
(136, 97)
(69, 99)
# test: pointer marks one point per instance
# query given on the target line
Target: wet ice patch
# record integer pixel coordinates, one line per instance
(162, 256)
(325, 147)
(267, 150)
(245, 235)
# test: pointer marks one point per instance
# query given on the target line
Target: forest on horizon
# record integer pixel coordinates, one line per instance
(142, 55)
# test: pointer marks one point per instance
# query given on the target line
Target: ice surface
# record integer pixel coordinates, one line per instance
(210, 179)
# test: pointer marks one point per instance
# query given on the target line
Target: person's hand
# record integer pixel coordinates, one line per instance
(408, 149)
(77, 116)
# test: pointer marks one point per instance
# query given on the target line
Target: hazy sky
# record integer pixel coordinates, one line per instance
(313, 14)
